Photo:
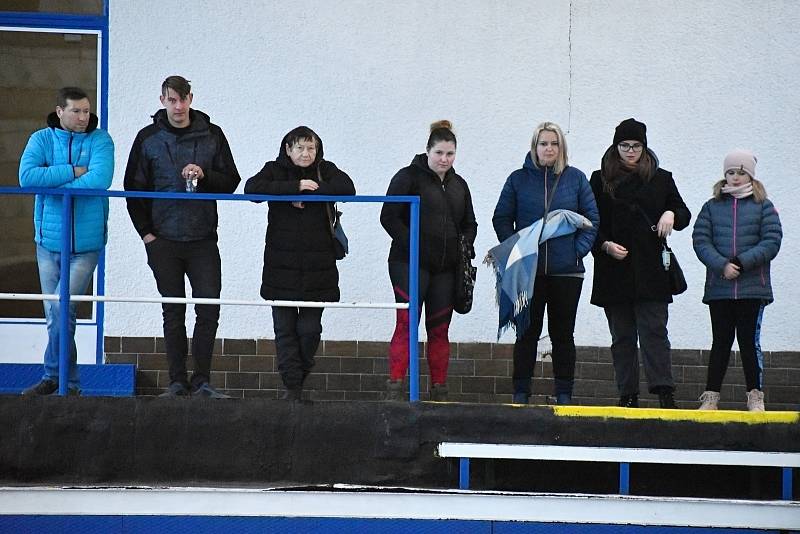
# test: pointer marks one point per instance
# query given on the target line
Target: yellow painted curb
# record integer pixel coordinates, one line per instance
(697, 416)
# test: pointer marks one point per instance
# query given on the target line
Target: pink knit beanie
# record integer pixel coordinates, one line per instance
(740, 160)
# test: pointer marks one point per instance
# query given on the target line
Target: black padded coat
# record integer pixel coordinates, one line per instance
(445, 211)
(299, 258)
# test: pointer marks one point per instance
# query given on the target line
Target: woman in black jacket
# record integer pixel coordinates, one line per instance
(445, 212)
(639, 207)
(299, 256)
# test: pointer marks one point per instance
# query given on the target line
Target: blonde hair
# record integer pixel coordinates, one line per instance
(561, 160)
(759, 191)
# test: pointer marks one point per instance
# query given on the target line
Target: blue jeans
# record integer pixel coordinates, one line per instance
(81, 267)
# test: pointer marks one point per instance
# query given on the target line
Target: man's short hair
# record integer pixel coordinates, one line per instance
(69, 93)
(179, 84)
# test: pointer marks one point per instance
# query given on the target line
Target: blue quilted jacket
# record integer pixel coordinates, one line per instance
(522, 203)
(740, 229)
(48, 161)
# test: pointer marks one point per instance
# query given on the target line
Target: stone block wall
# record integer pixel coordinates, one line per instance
(479, 372)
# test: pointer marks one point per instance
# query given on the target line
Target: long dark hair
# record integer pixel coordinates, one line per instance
(614, 172)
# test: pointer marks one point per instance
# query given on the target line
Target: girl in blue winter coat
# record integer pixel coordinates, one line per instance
(736, 236)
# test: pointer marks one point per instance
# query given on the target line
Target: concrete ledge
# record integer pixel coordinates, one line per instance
(155, 441)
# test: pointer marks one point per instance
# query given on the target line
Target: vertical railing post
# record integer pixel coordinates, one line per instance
(100, 309)
(413, 307)
(463, 473)
(786, 488)
(64, 341)
(624, 478)
(101, 265)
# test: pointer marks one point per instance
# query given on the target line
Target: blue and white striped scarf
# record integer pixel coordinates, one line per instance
(514, 262)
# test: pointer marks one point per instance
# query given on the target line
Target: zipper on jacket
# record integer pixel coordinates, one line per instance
(546, 247)
(194, 153)
(735, 215)
(72, 203)
(171, 159)
(444, 226)
(74, 232)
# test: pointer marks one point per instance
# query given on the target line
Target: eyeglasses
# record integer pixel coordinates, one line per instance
(627, 147)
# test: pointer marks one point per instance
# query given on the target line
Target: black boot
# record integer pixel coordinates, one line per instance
(564, 399)
(439, 392)
(629, 401)
(665, 398)
(395, 391)
(292, 394)
(522, 390)
(563, 391)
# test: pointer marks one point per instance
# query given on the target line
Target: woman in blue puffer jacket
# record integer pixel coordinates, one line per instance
(736, 236)
(559, 275)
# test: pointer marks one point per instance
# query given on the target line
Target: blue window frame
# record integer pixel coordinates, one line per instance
(44, 21)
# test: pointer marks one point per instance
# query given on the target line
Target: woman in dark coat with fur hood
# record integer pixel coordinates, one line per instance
(299, 256)
(639, 206)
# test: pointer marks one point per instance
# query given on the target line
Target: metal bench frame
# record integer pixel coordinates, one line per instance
(623, 456)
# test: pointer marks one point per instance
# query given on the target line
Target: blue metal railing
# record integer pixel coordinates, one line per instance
(64, 297)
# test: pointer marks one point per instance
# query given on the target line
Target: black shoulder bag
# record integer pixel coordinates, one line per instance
(340, 244)
(466, 274)
(677, 281)
(465, 278)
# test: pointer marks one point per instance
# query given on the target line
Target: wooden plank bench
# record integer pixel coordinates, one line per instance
(624, 456)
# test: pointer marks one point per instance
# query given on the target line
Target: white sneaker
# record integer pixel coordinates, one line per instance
(755, 400)
(709, 400)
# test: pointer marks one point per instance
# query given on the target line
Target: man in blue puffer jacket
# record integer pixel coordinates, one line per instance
(70, 153)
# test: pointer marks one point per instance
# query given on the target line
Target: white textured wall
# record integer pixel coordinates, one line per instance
(369, 76)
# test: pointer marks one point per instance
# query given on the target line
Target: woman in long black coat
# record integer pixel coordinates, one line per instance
(639, 206)
(299, 256)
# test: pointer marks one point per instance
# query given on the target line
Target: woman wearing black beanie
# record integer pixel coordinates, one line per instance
(639, 207)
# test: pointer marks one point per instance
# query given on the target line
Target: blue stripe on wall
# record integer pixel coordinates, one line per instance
(289, 525)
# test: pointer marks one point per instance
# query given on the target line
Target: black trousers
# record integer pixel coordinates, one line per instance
(644, 323)
(560, 296)
(297, 335)
(740, 319)
(199, 261)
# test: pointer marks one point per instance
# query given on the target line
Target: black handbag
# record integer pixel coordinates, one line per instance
(465, 278)
(677, 281)
(340, 244)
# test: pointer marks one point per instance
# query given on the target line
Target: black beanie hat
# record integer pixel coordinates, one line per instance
(631, 130)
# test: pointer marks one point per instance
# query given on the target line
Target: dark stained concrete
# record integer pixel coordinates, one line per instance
(256, 442)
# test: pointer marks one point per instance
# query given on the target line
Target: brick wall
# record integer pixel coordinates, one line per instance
(479, 372)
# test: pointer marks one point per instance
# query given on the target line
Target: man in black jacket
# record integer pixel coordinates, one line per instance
(182, 151)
